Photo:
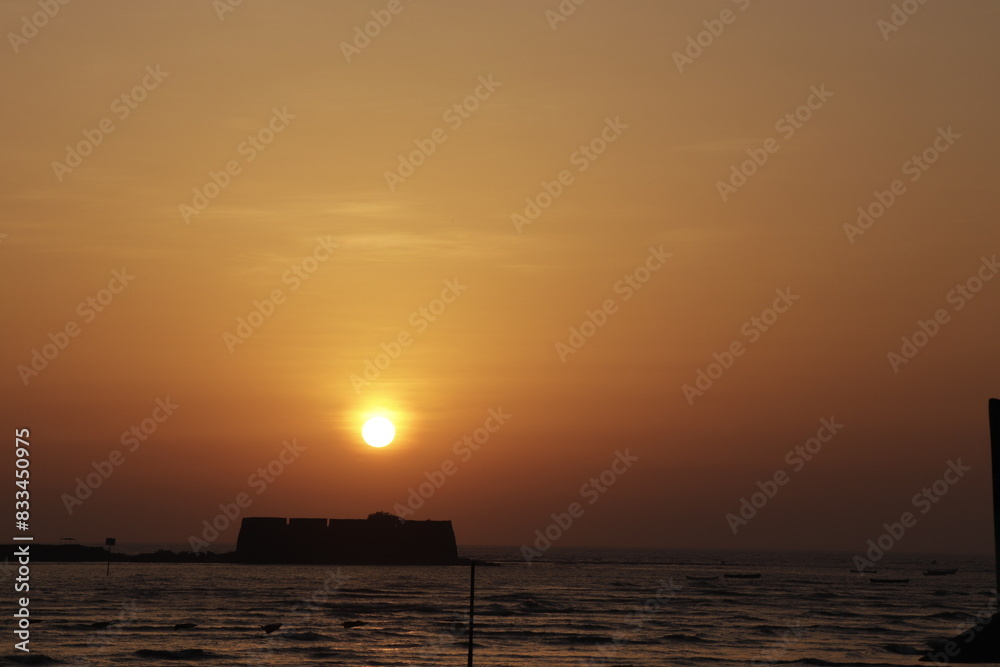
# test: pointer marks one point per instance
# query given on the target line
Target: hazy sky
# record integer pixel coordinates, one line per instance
(212, 161)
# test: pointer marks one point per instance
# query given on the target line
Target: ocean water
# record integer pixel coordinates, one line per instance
(580, 607)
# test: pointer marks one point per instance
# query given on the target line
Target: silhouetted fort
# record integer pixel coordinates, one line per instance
(381, 539)
(378, 540)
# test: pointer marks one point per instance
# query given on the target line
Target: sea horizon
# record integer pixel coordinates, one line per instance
(133, 548)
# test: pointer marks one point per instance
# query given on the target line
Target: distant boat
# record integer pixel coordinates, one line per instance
(691, 577)
(940, 573)
(748, 575)
(877, 580)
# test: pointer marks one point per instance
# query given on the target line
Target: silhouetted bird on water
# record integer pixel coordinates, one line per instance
(270, 627)
(353, 624)
(185, 626)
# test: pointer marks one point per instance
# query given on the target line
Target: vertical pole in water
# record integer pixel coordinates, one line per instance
(109, 542)
(472, 606)
(995, 455)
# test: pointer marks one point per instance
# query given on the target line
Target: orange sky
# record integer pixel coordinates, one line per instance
(302, 140)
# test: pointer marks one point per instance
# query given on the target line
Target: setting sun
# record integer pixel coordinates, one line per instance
(378, 432)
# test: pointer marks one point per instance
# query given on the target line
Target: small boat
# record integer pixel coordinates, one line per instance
(747, 575)
(691, 577)
(940, 573)
(883, 580)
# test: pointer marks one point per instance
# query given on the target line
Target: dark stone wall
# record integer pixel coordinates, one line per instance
(346, 541)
